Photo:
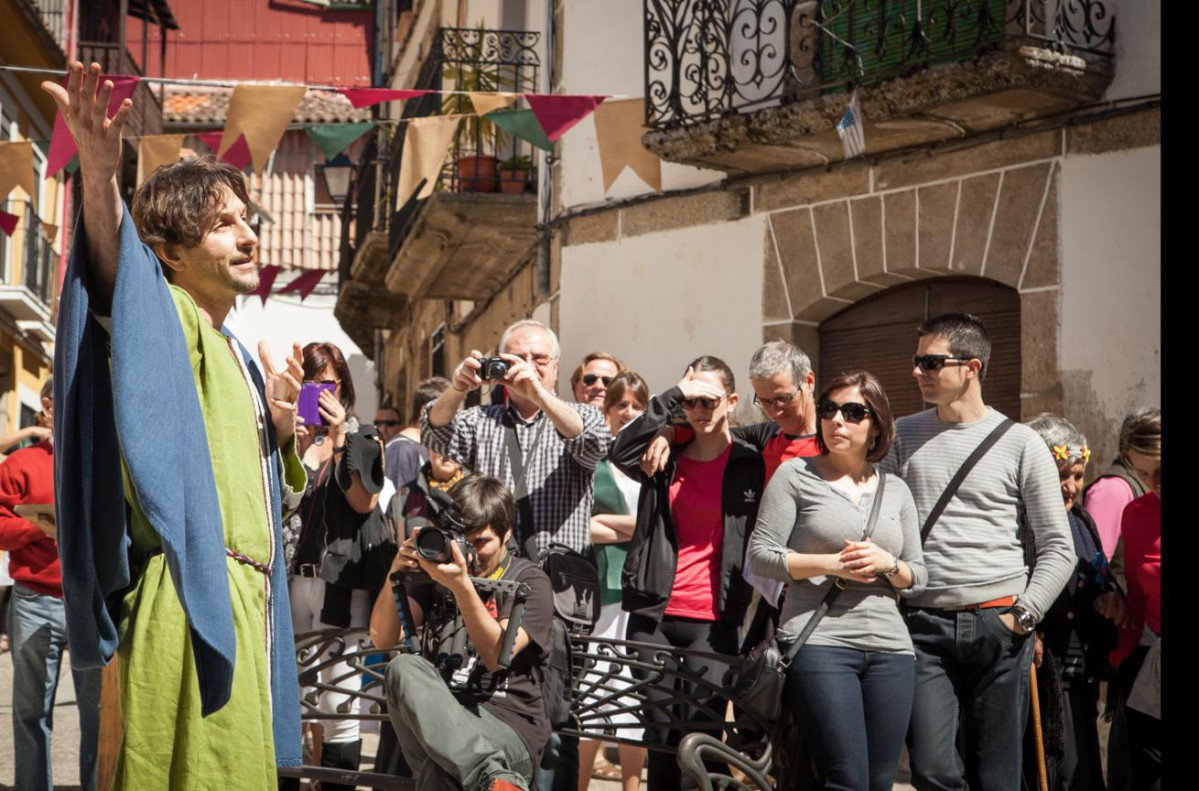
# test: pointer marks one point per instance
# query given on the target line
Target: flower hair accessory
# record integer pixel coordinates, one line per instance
(1062, 453)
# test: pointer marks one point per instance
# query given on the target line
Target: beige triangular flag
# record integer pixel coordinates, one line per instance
(618, 128)
(486, 102)
(426, 143)
(261, 113)
(16, 168)
(50, 232)
(154, 151)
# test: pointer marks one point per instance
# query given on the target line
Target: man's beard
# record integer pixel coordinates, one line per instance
(242, 285)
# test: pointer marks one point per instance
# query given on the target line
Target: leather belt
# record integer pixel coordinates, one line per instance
(1004, 601)
(308, 570)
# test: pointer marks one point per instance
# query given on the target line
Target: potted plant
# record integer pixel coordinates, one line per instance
(514, 174)
(476, 135)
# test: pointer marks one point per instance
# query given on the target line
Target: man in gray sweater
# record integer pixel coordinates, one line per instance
(970, 626)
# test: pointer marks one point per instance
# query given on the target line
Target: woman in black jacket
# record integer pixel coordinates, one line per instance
(682, 579)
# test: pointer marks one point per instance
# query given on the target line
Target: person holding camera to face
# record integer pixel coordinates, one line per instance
(468, 709)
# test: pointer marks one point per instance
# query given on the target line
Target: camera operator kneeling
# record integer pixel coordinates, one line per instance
(462, 720)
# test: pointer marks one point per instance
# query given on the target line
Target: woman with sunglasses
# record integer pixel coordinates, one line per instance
(340, 548)
(854, 678)
(682, 582)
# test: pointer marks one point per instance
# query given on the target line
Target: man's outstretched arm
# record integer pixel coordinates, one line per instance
(98, 140)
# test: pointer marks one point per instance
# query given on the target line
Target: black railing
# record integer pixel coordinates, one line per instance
(53, 14)
(706, 58)
(37, 266)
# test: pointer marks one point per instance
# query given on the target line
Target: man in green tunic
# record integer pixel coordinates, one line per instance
(183, 587)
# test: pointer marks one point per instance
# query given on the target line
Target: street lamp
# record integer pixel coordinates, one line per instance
(338, 173)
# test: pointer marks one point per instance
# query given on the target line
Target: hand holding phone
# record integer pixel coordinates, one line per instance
(308, 406)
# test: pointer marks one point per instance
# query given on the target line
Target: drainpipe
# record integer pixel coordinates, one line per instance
(377, 66)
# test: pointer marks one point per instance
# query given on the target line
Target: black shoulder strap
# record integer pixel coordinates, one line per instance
(838, 583)
(520, 489)
(950, 490)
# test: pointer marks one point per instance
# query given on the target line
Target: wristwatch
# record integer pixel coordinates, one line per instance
(1026, 619)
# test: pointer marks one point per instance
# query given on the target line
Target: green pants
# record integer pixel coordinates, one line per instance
(449, 745)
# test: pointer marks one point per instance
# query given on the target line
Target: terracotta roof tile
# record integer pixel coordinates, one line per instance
(192, 105)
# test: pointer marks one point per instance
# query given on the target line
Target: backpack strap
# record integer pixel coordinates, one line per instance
(950, 490)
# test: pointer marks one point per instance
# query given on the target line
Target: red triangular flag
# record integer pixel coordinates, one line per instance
(210, 139)
(8, 222)
(62, 145)
(557, 113)
(365, 97)
(266, 279)
(304, 283)
(238, 154)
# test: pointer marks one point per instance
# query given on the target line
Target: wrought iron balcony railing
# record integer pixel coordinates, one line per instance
(706, 58)
(52, 13)
(38, 258)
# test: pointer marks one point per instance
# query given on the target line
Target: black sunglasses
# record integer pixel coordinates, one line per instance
(387, 423)
(708, 403)
(851, 411)
(589, 379)
(935, 362)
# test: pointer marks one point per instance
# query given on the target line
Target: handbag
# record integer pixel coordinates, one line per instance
(756, 683)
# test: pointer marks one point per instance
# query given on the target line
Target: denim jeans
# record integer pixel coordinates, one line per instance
(448, 745)
(969, 666)
(38, 634)
(564, 776)
(853, 708)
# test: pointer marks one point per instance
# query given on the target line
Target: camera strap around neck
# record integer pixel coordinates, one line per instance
(520, 488)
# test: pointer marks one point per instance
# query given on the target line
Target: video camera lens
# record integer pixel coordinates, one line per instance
(493, 369)
(433, 544)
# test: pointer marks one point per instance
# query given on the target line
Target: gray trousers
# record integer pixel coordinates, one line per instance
(449, 745)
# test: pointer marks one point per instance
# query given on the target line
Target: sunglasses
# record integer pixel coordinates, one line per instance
(851, 411)
(935, 362)
(707, 403)
(590, 379)
(778, 403)
(387, 423)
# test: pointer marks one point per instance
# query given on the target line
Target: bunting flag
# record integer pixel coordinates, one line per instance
(49, 232)
(559, 112)
(304, 283)
(366, 97)
(522, 124)
(239, 154)
(16, 167)
(261, 114)
(154, 151)
(210, 139)
(62, 145)
(8, 222)
(426, 144)
(618, 129)
(266, 279)
(332, 139)
(485, 103)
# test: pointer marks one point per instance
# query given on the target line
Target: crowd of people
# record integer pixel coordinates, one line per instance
(965, 549)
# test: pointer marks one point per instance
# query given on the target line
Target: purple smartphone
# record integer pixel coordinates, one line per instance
(310, 394)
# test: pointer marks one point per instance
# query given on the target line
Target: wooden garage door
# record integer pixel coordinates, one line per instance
(879, 334)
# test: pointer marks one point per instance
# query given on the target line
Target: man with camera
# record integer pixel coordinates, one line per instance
(543, 448)
(468, 710)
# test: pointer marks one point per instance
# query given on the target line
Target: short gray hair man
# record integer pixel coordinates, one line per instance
(778, 356)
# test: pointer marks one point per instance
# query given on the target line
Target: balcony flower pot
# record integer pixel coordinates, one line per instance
(477, 173)
(514, 174)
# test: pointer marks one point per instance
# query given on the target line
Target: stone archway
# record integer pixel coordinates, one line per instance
(999, 224)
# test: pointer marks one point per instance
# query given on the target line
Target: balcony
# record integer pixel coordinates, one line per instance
(758, 85)
(27, 294)
(463, 240)
(146, 118)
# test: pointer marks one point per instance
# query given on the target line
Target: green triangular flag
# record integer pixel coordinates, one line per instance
(522, 124)
(332, 139)
(73, 165)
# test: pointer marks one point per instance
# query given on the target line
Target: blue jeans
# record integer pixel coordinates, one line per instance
(38, 633)
(969, 666)
(853, 708)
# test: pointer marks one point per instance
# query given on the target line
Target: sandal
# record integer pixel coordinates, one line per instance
(605, 769)
(3, 644)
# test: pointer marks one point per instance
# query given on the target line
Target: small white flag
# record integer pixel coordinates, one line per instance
(850, 129)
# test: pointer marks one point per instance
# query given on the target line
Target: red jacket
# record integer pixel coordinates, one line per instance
(1141, 528)
(27, 477)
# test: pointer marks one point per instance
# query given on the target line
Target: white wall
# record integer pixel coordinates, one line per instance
(604, 53)
(660, 300)
(285, 319)
(1111, 288)
(1138, 49)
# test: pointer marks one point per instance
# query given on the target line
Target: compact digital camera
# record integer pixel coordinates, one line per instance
(493, 369)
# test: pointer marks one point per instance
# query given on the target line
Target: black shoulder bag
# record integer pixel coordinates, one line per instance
(756, 683)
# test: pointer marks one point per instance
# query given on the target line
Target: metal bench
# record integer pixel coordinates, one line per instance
(660, 687)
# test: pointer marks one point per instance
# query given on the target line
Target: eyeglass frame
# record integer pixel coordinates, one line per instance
(867, 411)
(774, 402)
(607, 380)
(944, 359)
(707, 403)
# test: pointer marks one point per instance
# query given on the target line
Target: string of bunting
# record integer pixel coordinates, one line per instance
(259, 115)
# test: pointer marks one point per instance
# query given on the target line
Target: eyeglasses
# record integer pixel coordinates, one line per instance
(707, 403)
(589, 379)
(778, 403)
(935, 362)
(536, 359)
(388, 423)
(851, 411)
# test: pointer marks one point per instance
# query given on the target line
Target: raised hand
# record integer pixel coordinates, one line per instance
(699, 388)
(282, 389)
(85, 112)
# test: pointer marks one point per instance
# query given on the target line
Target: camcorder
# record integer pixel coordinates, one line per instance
(493, 369)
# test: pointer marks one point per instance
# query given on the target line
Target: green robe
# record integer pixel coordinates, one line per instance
(160, 696)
